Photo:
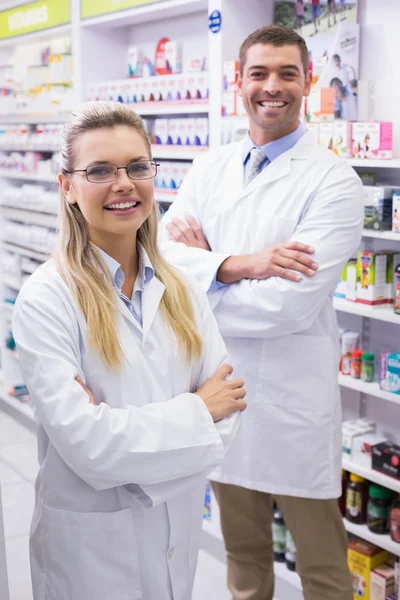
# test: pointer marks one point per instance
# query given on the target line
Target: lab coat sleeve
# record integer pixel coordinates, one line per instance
(203, 264)
(106, 447)
(332, 224)
(213, 356)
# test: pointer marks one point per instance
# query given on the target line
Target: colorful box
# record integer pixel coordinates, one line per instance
(325, 137)
(313, 128)
(229, 106)
(390, 372)
(161, 131)
(173, 57)
(378, 202)
(372, 278)
(372, 140)
(321, 105)
(230, 75)
(347, 286)
(342, 138)
(396, 213)
(363, 557)
(382, 582)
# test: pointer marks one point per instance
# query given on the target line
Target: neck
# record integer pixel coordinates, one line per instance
(261, 137)
(120, 248)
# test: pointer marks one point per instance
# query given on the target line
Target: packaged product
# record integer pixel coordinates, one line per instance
(363, 557)
(386, 459)
(382, 582)
(390, 372)
(372, 277)
(313, 128)
(342, 138)
(378, 202)
(321, 105)
(372, 140)
(396, 213)
(326, 135)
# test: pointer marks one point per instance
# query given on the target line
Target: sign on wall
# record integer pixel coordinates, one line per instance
(94, 8)
(34, 17)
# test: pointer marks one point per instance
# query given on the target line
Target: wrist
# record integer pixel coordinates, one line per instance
(234, 268)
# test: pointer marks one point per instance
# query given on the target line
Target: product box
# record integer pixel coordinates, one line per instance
(173, 131)
(347, 286)
(201, 132)
(182, 131)
(363, 557)
(378, 201)
(161, 131)
(135, 90)
(173, 57)
(176, 174)
(202, 85)
(135, 62)
(325, 137)
(155, 89)
(372, 278)
(172, 87)
(146, 89)
(313, 128)
(230, 75)
(352, 430)
(390, 372)
(321, 105)
(386, 459)
(229, 106)
(382, 582)
(240, 109)
(372, 140)
(342, 138)
(396, 213)
(361, 449)
(182, 91)
(190, 132)
(393, 262)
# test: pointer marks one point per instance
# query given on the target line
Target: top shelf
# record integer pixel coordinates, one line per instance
(393, 163)
(156, 11)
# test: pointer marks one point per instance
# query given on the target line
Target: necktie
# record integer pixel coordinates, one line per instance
(257, 156)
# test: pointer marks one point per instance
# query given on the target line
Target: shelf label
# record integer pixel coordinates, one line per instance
(34, 17)
(94, 8)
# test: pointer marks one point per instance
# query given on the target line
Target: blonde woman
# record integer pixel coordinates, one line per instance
(119, 493)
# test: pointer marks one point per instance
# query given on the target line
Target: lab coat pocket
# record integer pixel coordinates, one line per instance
(90, 555)
(298, 373)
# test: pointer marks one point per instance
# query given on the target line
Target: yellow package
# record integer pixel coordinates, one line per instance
(362, 558)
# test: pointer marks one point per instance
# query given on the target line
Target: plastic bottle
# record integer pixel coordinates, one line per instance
(356, 500)
(290, 553)
(356, 363)
(394, 521)
(342, 499)
(368, 367)
(379, 502)
(278, 535)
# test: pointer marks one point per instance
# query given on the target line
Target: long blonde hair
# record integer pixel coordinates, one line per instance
(80, 265)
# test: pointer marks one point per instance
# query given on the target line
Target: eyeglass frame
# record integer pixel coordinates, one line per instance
(117, 169)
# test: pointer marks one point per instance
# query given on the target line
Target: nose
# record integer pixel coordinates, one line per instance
(123, 183)
(272, 84)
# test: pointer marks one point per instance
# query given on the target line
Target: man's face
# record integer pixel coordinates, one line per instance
(272, 85)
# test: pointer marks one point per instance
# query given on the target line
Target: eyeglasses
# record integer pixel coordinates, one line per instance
(106, 172)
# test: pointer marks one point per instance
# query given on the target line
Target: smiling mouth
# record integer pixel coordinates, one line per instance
(272, 104)
(122, 206)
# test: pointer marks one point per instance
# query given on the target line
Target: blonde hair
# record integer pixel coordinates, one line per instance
(80, 265)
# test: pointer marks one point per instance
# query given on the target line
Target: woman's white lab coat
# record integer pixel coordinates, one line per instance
(120, 490)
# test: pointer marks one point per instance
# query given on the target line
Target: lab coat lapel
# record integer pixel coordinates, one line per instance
(151, 298)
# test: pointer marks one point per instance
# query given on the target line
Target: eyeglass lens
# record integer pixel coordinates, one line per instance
(105, 172)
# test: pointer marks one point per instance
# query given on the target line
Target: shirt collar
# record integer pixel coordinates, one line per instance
(276, 148)
(145, 274)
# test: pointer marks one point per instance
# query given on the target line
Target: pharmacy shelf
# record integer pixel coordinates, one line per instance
(371, 389)
(382, 235)
(16, 405)
(29, 177)
(380, 313)
(374, 164)
(30, 217)
(146, 14)
(34, 118)
(177, 152)
(35, 36)
(22, 251)
(162, 195)
(370, 475)
(382, 541)
(181, 107)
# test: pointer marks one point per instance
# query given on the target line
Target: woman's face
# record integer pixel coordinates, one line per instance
(114, 208)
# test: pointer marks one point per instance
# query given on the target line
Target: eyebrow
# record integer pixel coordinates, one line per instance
(131, 160)
(264, 68)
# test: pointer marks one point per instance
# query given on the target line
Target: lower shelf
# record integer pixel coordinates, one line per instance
(382, 541)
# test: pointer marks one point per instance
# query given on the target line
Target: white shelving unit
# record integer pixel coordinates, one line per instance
(380, 313)
(371, 475)
(383, 541)
(29, 216)
(177, 152)
(390, 236)
(29, 177)
(183, 107)
(370, 389)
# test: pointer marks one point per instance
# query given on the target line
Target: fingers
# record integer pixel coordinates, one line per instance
(299, 247)
(235, 383)
(239, 393)
(80, 381)
(241, 405)
(224, 371)
(197, 230)
(180, 231)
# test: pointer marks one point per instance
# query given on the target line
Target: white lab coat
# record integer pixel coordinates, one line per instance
(281, 336)
(120, 492)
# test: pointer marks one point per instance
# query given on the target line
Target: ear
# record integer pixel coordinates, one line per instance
(66, 188)
(239, 83)
(308, 83)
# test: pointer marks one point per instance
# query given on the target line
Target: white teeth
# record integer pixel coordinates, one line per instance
(273, 104)
(121, 205)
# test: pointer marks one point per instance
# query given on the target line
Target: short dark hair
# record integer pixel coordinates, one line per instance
(275, 35)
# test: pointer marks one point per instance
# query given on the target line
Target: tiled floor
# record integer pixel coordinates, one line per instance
(18, 467)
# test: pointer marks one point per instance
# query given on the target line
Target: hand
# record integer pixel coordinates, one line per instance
(223, 397)
(92, 399)
(277, 261)
(282, 260)
(189, 233)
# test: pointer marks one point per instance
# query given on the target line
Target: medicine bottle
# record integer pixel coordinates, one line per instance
(290, 552)
(394, 521)
(379, 503)
(278, 536)
(356, 363)
(356, 500)
(368, 367)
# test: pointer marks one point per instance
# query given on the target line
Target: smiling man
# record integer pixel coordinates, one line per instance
(266, 225)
